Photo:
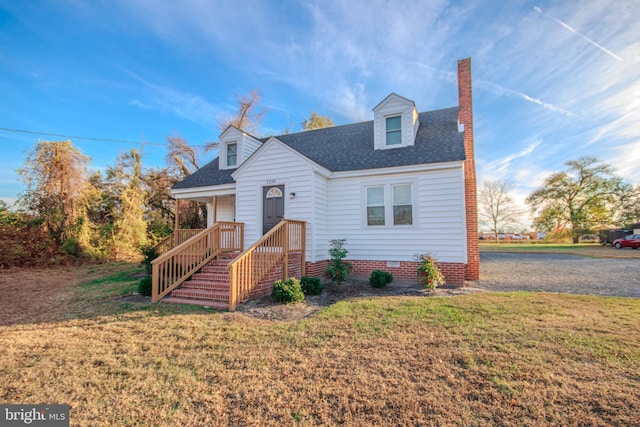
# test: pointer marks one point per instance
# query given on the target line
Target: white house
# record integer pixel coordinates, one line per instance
(399, 185)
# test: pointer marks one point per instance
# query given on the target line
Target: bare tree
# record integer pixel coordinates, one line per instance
(249, 114)
(182, 156)
(497, 207)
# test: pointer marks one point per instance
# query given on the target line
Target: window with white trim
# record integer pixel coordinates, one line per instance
(394, 130)
(402, 206)
(389, 205)
(375, 205)
(232, 154)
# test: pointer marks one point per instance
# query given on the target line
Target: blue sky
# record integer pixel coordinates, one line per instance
(553, 80)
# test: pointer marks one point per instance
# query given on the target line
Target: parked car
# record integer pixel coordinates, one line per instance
(631, 241)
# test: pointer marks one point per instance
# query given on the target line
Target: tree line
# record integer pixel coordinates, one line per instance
(68, 215)
(586, 197)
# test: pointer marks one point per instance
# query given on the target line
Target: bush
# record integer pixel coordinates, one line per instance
(144, 286)
(380, 279)
(337, 269)
(311, 286)
(428, 272)
(150, 253)
(287, 291)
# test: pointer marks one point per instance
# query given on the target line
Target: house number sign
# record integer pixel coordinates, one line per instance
(271, 181)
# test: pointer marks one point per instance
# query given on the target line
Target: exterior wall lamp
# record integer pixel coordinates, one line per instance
(292, 195)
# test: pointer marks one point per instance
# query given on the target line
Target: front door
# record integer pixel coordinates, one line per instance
(273, 206)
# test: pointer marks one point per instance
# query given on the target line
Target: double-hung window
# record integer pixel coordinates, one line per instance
(375, 205)
(389, 204)
(394, 130)
(402, 207)
(232, 154)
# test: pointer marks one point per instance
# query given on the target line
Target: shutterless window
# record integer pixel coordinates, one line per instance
(402, 206)
(394, 130)
(232, 154)
(375, 206)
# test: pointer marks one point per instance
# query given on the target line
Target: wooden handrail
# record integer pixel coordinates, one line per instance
(178, 264)
(249, 268)
(175, 238)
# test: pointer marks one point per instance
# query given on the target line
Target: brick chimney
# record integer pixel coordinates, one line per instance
(472, 271)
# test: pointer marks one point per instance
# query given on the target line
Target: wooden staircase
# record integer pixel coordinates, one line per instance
(209, 270)
(210, 287)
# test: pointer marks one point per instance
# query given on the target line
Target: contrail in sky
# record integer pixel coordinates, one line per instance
(602, 48)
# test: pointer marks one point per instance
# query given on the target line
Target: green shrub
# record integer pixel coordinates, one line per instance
(71, 246)
(311, 286)
(337, 269)
(380, 279)
(150, 253)
(144, 286)
(287, 291)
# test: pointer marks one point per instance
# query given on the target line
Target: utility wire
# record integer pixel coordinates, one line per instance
(91, 138)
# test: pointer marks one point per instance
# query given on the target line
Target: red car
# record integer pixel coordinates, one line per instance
(631, 241)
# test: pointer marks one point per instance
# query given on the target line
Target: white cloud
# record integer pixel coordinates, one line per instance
(187, 105)
(140, 104)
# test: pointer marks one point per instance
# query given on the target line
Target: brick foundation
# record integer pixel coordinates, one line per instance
(454, 273)
(266, 284)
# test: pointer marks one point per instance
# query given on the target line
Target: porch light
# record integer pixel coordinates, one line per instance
(292, 195)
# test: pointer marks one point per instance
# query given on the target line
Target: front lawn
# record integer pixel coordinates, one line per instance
(476, 359)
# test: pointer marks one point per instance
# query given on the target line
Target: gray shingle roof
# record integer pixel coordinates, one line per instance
(350, 148)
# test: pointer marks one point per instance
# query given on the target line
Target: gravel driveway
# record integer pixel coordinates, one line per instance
(559, 273)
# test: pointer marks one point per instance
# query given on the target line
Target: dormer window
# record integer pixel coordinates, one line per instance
(395, 123)
(232, 154)
(394, 130)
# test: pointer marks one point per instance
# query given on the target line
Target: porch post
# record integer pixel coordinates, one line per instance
(215, 209)
(285, 250)
(176, 227)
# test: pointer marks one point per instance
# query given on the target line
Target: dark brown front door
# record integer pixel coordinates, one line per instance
(272, 206)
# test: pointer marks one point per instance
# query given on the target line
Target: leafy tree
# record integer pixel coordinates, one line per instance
(129, 228)
(628, 206)
(316, 121)
(578, 200)
(497, 207)
(58, 190)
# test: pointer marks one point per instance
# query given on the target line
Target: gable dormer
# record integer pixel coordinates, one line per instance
(395, 123)
(235, 147)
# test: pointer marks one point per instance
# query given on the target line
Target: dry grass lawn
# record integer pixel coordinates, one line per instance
(477, 359)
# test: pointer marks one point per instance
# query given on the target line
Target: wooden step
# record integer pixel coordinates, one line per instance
(206, 284)
(208, 288)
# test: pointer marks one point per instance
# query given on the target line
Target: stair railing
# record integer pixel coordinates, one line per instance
(248, 269)
(176, 238)
(172, 268)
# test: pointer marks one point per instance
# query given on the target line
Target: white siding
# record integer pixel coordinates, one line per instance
(319, 244)
(275, 164)
(439, 218)
(249, 146)
(225, 209)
